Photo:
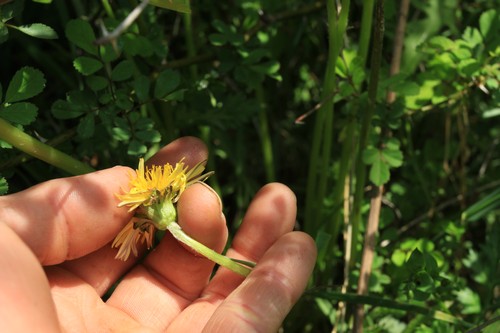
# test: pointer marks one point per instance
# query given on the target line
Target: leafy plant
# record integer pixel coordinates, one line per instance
(386, 129)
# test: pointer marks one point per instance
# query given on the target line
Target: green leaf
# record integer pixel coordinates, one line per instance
(177, 95)
(406, 89)
(38, 30)
(86, 126)
(123, 71)
(442, 42)
(268, 68)
(469, 67)
(217, 39)
(488, 22)
(148, 136)
(379, 172)
(4, 186)
(80, 33)
(87, 65)
(43, 1)
(182, 6)
(398, 257)
(64, 110)
(108, 53)
(495, 112)
(136, 148)
(123, 100)
(472, 36)
(469, 300)
(167, 81)
(96, 82)
(77, 103)
(11, 10)
(4, 33)
(137, 45)
(141, 86)
(22, 113)
(26, 83)
(121, 134)
(370, 155)
(393, 157)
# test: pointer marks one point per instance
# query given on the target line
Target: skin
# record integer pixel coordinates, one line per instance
(57, 261)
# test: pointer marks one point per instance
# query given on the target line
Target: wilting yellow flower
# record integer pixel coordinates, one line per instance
(153, 193)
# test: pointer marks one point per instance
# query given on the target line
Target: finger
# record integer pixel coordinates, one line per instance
(192, 149)
(270, 215)
(67, 218)
(24, 290)
(100, 268)
(155, 292)
(262, 301)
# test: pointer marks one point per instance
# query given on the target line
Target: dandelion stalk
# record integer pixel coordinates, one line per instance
(176, 231)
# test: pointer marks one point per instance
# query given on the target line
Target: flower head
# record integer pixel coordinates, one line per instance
(153, 193)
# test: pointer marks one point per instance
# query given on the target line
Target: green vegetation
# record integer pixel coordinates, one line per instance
(384, 120)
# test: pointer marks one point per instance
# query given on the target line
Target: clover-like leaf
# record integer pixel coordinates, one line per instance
(87, 65)
(22, 113)
(26, 83)
(123, 71)
(80, 33)
(167, 81)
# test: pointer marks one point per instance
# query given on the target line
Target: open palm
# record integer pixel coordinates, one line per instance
(57, 261)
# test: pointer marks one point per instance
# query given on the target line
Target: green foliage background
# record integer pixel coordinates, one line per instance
(290, 91)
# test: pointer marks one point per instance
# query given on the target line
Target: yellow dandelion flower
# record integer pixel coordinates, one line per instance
(153, 193)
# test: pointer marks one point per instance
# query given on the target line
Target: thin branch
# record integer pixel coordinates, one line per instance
(126, 23)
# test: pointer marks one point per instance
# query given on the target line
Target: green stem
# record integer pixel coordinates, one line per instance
(108, 9)
(190, 45)
(46, 153)
(376, 59)
(366, 29)
(265, 137)
(348, 146)
(323, 128)
(208, 253)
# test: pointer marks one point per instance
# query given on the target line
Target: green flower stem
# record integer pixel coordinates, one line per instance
(208, 253)
(108, 9)
(35, 148)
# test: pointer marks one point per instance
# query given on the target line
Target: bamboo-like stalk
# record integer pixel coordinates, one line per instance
(40, 150)
(360, 172)
(366, 30)
(323, 128)
(348, 145)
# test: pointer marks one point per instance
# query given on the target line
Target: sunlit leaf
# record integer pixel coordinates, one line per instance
(38, 30)
(26, 83)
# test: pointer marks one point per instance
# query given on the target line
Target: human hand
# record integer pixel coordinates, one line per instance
(56, 260)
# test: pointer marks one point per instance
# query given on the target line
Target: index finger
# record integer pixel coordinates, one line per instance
(69, 217)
